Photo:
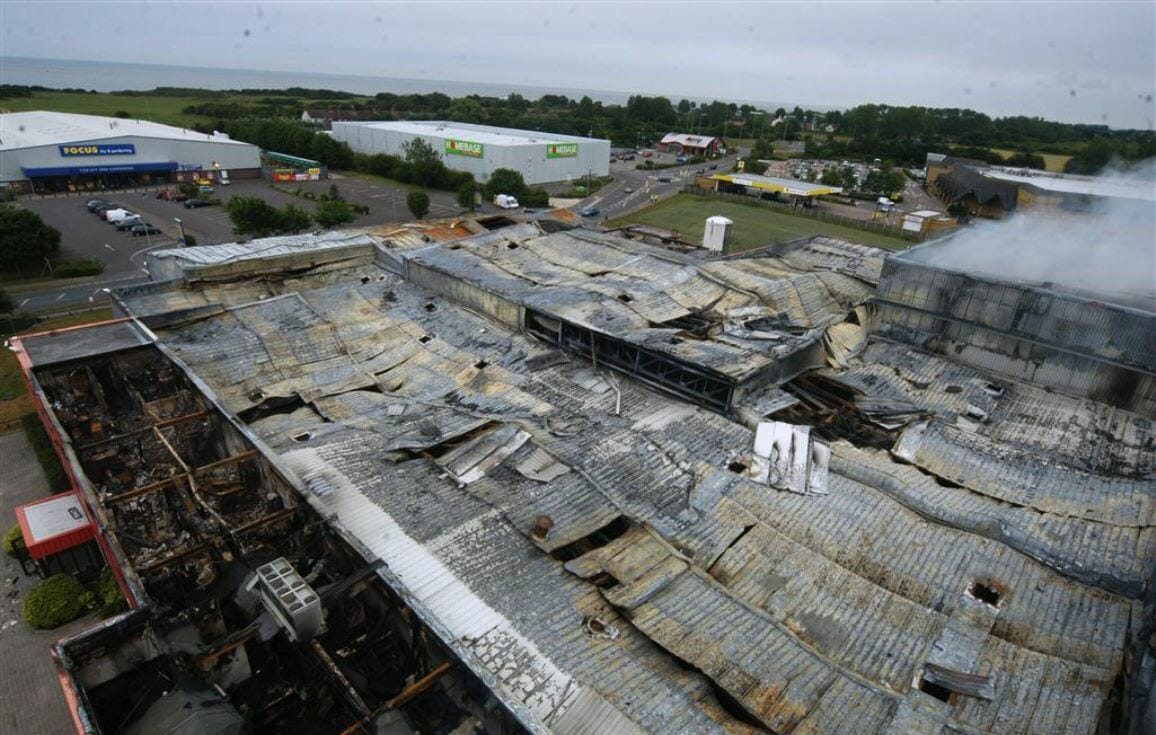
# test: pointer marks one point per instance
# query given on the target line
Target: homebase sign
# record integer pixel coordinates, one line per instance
(115, 149)
(562, 150)
(464, 148)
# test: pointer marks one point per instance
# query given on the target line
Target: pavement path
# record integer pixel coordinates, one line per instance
(31, 702)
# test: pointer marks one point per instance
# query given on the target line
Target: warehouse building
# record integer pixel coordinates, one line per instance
(56, 151)
(552, 480)
(481, 149)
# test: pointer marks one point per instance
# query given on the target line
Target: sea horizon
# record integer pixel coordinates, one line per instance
(118, 76)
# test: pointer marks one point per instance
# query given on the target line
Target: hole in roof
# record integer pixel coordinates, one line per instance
(302, 437)
(953, 389)
(480, 364)
(985, 592)
(941, 693)
(365, 279)
(675, 341)
(737, 467)
(425, 338)
(430, 306)
(512, 246)
(595, 540)
(624, 298)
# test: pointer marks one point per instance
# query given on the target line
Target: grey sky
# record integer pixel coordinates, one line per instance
(1080, 62)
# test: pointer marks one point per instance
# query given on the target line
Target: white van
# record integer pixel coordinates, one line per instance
(505, 201)
(116, 215)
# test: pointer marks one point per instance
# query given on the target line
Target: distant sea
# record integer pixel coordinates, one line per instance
(107, 76)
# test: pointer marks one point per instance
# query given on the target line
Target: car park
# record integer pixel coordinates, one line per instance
(196, 203)
(143, 229)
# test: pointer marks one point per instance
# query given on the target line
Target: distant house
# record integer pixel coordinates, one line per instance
(691, 145)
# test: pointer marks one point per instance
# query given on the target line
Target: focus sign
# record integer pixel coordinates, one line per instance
(464, 148)
(114, 149)
(561, 150)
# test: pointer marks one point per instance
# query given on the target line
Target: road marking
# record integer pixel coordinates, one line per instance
(22, 303)
(58, 298)
(110, 247)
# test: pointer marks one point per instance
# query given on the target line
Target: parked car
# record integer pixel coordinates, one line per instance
(589, 212)
(700, 170)
(628, 190)
(713, 166)
(647, 154)
(92, 204)
(112, 216)
(681, 159)
(128, 223)
(628, 157)
(143, 229)
(101, 208)
(196, 203)
(205, 189)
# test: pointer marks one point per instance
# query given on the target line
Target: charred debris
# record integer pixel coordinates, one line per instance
(805, 489)
(251, 612)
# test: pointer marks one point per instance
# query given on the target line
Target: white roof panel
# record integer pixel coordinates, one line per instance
(38, 128)
(1119, 188)
(485, 134)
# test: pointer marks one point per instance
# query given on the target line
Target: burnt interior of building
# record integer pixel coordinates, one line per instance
(197, 512)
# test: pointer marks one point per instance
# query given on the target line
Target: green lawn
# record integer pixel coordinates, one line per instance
(754, 226)
(165, 110)
(1052, 161)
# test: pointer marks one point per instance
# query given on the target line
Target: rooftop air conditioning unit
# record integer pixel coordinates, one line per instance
(289, 599)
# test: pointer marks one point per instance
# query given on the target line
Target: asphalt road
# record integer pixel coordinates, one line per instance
(613, 200)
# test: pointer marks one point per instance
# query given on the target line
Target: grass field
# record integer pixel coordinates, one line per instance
(1053, 162)
(158, 109)
(14, 399)
(754, 226)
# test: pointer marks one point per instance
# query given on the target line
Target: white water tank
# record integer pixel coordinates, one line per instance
(718, 230)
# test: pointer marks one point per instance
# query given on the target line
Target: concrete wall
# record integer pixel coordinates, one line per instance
(148, 150)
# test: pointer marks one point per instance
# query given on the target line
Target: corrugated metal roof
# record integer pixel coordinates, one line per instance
(812, 612)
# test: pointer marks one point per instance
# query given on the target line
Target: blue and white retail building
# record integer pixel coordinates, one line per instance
(58, 151)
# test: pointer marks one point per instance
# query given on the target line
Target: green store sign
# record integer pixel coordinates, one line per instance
(464, 148)
(562, 150)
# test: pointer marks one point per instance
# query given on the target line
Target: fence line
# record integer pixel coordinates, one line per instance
(881, 228)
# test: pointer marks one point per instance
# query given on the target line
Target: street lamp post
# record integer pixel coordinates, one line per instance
(181, 225)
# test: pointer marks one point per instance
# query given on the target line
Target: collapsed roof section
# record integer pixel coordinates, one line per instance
(1091, 345)
(245, 602)
(931, 548)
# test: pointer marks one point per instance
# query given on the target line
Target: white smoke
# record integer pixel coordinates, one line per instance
(1109, 250)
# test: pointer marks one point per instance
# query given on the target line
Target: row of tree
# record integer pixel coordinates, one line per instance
(255, 217)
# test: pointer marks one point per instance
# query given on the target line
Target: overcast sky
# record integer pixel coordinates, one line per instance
(1072, 61)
